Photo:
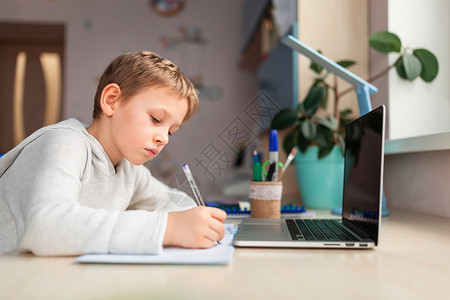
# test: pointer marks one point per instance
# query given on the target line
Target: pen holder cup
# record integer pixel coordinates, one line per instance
(265, 198)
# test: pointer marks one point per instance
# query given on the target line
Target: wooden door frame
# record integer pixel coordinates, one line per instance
(26, 34)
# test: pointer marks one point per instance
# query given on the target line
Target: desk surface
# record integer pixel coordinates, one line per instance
(411, 262)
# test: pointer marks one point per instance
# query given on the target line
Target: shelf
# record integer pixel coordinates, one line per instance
(432, 142)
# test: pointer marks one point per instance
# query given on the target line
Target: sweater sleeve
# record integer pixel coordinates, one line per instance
(44, 184)
(153, 195)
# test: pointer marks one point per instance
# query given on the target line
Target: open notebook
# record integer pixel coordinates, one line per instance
(219, 254)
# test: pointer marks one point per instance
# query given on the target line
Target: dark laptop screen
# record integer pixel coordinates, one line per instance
(363, 168)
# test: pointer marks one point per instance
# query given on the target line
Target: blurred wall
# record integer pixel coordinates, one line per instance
(98, 31)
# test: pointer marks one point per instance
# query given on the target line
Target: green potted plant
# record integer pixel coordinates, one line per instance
(320, 139)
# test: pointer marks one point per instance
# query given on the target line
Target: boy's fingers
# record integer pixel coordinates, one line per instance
(218, 214)
(208, 243)
(213, 236)
(218, 227)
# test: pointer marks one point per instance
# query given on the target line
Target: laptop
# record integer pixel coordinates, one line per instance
(359, 225)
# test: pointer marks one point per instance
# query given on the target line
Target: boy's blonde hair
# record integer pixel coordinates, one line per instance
(134, 71)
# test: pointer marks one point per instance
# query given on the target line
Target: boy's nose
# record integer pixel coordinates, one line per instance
(161, 139)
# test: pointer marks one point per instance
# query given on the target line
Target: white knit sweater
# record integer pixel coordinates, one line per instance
(61, 195)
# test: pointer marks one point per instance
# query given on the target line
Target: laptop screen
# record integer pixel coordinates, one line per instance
(364, 151)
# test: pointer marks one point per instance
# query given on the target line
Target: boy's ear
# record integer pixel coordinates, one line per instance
(109, 98)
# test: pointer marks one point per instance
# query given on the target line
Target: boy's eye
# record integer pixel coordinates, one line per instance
(156, 120)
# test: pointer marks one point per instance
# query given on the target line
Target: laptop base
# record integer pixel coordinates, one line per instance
(274, 233)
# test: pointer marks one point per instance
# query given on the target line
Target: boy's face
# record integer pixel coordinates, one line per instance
(141, 125)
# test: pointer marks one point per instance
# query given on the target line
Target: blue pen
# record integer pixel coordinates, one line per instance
(273, 152)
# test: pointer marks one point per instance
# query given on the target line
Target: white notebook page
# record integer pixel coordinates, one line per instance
(219, 254)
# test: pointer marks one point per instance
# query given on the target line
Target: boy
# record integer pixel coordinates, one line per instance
(69, 190)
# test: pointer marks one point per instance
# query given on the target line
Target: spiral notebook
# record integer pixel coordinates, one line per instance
(220, 254)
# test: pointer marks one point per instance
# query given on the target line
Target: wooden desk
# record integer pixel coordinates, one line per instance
(411, 262)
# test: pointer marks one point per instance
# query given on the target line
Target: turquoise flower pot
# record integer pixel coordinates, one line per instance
(320, 181)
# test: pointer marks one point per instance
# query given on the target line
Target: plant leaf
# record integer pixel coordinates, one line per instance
(343, 122)
(385, 42)
(324, 137)
(346, 63)
(430, 65)
(323, 152)
(412, 66)
(344, 117)
(302, 142)
(315, 67)
(309, 129)
(284, 118)
(289, 142)
(330, 122)
(312, 100)
(317, 81)
(324, 101)
(300, 109)
(400, 68)
(344, 113)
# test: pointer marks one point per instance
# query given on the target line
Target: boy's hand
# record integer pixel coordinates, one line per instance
(198, 227)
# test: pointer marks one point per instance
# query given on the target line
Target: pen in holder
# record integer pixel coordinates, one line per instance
(265, 198)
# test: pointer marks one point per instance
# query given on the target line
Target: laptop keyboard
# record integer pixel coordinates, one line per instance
(323, 230)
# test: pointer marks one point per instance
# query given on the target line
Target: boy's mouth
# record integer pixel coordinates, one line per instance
(153, 152)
